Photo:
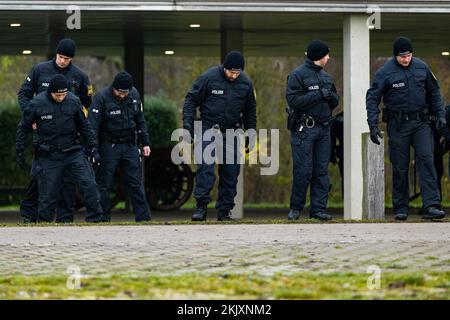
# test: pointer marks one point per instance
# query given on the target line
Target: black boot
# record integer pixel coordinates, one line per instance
(200, 213)
(433, 213)
(224, 215)
(401, 216)
(28, 220)
(293, 214)
(97, 218)
(320, 215)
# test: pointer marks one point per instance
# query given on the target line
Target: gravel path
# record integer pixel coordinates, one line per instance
(265, 249)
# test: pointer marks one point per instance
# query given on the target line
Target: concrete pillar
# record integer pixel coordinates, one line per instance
(356, 82)
(232, 39)
(238, 211)
(134, 51)
(134, 64)
(373, 168)
(231, 35)
(55, 28)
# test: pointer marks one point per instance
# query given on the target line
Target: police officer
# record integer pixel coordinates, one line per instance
(116, 114)
(36, 82)
(59, 116)
(410, 95)
(311, 95)
(225, 96)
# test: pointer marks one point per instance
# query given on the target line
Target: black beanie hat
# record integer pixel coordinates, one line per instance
(58, 84)
(402, 45)
(123, 81)
(66, 47)
(317, 50)
(234, 60)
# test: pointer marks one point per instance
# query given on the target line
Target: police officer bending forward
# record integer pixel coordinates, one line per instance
(410, 95)
(59, 116)
(224, 94)
(311, 95)
(117, 117)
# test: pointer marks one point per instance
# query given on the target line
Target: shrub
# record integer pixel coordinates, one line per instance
(161, 116)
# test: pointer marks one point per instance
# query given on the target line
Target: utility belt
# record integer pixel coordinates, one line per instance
(308, 121)
(119, 140)
(407, 116)
(220, 127)
(45, 150)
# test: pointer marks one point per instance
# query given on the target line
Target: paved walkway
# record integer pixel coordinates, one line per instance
(266, 249)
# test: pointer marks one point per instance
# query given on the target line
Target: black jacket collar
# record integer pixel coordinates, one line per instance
(59, 68)
(310, 64)
(399, 65)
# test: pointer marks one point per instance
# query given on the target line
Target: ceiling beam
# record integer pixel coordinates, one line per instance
(431, 6)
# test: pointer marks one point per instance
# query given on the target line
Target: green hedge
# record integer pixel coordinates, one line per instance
(160, 114)
(10, 173)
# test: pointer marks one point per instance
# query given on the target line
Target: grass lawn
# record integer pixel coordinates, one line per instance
(306, 285)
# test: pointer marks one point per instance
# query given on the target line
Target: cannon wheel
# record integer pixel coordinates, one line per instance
(167, 185)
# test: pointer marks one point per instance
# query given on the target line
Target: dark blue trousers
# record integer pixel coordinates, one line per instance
(403, 135)
(228, 176)
(311, 155)
(65, 203)
(125, 156)
(50, 172)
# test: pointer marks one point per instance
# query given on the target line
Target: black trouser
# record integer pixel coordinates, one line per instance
(311, 156)
(125, 156)
(50, 171)
(402, 135)
(65, 203)
(228, 171)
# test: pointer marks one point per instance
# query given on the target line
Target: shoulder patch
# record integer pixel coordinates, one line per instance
(90, 90)
(85, 111)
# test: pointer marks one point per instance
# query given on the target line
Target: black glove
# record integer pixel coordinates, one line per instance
(250, 141)
(247, 145)
(190, 129)
(326, 93)
(443, 129)
(375, 134)
(94, 156)
(20, 159)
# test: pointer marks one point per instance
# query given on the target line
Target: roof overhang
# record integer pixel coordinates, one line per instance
(432, 6)
(283, 32)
